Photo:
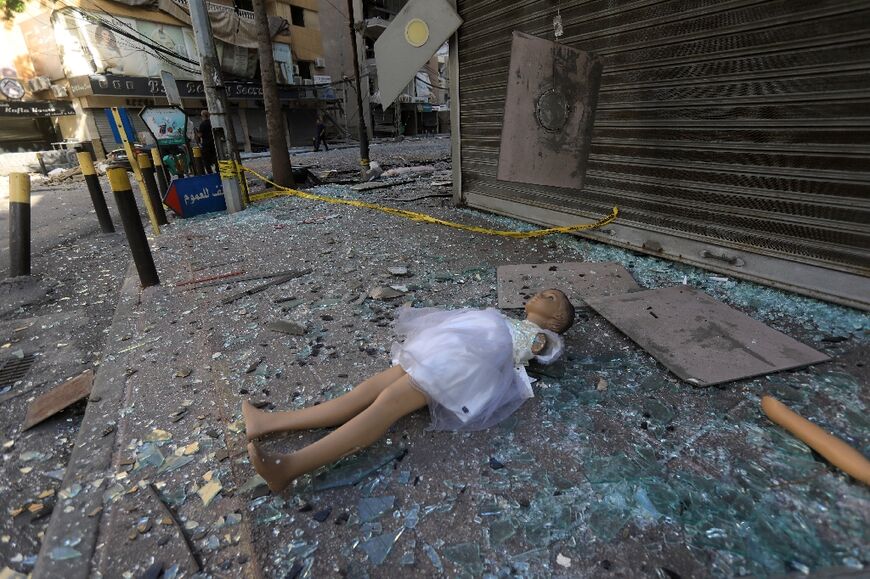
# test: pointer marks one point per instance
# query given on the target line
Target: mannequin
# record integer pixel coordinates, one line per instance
(467, 366)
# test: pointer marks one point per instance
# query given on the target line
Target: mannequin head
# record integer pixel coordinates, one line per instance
(551, 310)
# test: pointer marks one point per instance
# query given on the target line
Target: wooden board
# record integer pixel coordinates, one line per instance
(59, 398)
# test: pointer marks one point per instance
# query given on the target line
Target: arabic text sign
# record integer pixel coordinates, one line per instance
(196, 195)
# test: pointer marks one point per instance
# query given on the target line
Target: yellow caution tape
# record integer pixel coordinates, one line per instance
(413, 215)
(230, 169)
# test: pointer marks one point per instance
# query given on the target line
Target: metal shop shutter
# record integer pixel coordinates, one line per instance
(740, 124)
(105, 128)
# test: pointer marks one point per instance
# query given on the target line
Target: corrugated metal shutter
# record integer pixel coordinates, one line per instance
(105, 128)
(743, 124)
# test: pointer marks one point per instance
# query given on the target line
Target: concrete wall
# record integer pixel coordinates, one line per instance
(339, 58)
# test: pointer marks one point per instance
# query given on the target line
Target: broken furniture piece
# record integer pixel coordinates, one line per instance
(700, 339)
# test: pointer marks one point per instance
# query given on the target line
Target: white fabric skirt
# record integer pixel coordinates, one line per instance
(462, 361)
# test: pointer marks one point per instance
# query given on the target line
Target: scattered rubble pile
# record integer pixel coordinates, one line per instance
(615, 466)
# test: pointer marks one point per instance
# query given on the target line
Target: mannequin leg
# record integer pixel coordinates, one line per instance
(331, 413)
(397, 400)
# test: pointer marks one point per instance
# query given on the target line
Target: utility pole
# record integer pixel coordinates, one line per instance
(216, 99)
(363, 133)
(282, 171)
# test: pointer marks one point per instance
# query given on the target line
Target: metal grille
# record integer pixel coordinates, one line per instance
(14, 369)
(742, 123)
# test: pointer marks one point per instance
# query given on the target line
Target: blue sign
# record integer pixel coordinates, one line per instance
(196, 195)
(125, 120)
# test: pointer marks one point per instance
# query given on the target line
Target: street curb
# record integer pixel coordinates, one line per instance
(91, 458)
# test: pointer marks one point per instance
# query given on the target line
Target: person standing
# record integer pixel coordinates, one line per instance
(206, 143)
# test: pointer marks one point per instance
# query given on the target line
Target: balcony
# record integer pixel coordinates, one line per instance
(244, 14)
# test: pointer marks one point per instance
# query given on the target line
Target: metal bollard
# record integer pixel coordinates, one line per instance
(147, 169)
(126, 203)
(198, 167)
(96, 191)
(159, 172)
(161, 169)
(19, 224)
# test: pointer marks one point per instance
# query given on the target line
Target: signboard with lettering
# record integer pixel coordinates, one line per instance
(116, 85)
(36, 109)
(168, 125)
(196, 195)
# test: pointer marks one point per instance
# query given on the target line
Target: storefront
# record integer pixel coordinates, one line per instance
(30, 125)
(732, 136)
(96, 92)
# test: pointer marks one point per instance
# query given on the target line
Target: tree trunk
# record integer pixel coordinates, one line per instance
(282, 172)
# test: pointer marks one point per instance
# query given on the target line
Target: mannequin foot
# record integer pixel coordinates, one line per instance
(274, 468)
(256, 421)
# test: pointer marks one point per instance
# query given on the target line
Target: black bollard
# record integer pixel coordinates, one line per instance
(96, 191)
(19, 224)
(160, 168)
(126, 203)
(198, 167)
(151, 186)
(159, 173)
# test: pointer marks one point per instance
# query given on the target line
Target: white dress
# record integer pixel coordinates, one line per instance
(470, 364)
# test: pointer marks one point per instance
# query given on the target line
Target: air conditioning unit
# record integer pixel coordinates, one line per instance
(39, 83)
(58, 91)
(320, 62)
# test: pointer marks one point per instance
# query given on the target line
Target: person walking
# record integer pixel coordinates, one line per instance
(206, 142)
(320, 136)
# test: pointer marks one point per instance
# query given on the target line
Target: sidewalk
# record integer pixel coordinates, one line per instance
(645, 476)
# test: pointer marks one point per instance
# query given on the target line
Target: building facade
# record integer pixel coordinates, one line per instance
(75, 59)
(422, 108)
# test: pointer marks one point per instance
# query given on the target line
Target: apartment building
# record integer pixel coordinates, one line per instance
(421, 108)
(70, 61)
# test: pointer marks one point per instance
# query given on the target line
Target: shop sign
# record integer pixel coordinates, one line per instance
(168, 125)
(115, 85)
(36, 109)
(196, 195)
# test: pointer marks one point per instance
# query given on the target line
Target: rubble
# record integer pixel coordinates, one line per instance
(583, 479)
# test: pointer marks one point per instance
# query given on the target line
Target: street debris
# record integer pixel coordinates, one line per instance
(58, 399)
(286, 327)
(386, 292)
(278, 280)
(726, 344)
(614, 464)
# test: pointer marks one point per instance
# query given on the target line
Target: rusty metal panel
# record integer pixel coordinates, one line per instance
(702, 340)
(551, 95)
(517, 283)
(739, 124)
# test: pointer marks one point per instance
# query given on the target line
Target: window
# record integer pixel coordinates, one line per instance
(297, 16)
(304, 68)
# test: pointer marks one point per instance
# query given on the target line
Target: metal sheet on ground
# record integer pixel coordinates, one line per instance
(517, 283)
(701, 340)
